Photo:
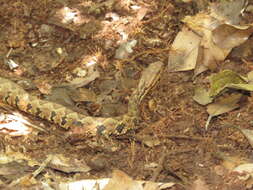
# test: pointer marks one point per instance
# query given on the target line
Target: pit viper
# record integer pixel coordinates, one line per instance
(14, 95)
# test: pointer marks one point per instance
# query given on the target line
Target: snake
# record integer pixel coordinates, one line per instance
(15, 96)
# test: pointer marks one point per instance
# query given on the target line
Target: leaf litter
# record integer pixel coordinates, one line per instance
(66, 59)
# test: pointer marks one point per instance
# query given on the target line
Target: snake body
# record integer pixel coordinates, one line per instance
(15, 96)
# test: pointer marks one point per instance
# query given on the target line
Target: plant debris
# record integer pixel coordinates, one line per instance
(181, 69)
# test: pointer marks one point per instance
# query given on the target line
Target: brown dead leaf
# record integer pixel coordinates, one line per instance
(141, 13)
(216, 38)
(230, 162)
(224, 105)
(184, 53)
(122, 181)
(68, 165)
(228, 11)
(201, 96)
(227, 36)
(199, 184)
(247, 133)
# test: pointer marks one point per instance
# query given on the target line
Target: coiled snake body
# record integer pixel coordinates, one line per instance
(15, 96)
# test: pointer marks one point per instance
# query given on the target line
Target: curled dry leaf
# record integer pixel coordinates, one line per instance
(216, 38)
(227, 36)
(228, 11)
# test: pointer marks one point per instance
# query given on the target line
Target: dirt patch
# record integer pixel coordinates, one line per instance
(48, 44)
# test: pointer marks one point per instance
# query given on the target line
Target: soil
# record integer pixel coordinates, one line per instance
(49, 51)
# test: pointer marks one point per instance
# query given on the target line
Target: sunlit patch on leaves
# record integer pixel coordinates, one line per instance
(207, 38)
(220, 83)
(14, 125)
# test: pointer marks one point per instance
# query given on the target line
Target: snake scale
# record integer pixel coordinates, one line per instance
(15, 96)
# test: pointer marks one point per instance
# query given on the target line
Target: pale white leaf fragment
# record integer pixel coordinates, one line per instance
(246, 169)
(125, 49)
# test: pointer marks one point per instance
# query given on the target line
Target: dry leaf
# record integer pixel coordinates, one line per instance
(247, 133)
(216, 38)
(245, 169)
(223, 79)
(199, 184)
(148, 79)
(227, 36)
(184, 53)
(224, 105)
(230, 162)
(68, 165)
(201, 96)
(122, 181)
(228, 11)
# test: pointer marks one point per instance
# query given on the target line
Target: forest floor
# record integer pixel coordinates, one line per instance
(45, 47)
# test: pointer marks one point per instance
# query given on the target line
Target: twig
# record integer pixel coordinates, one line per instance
(42, 166)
